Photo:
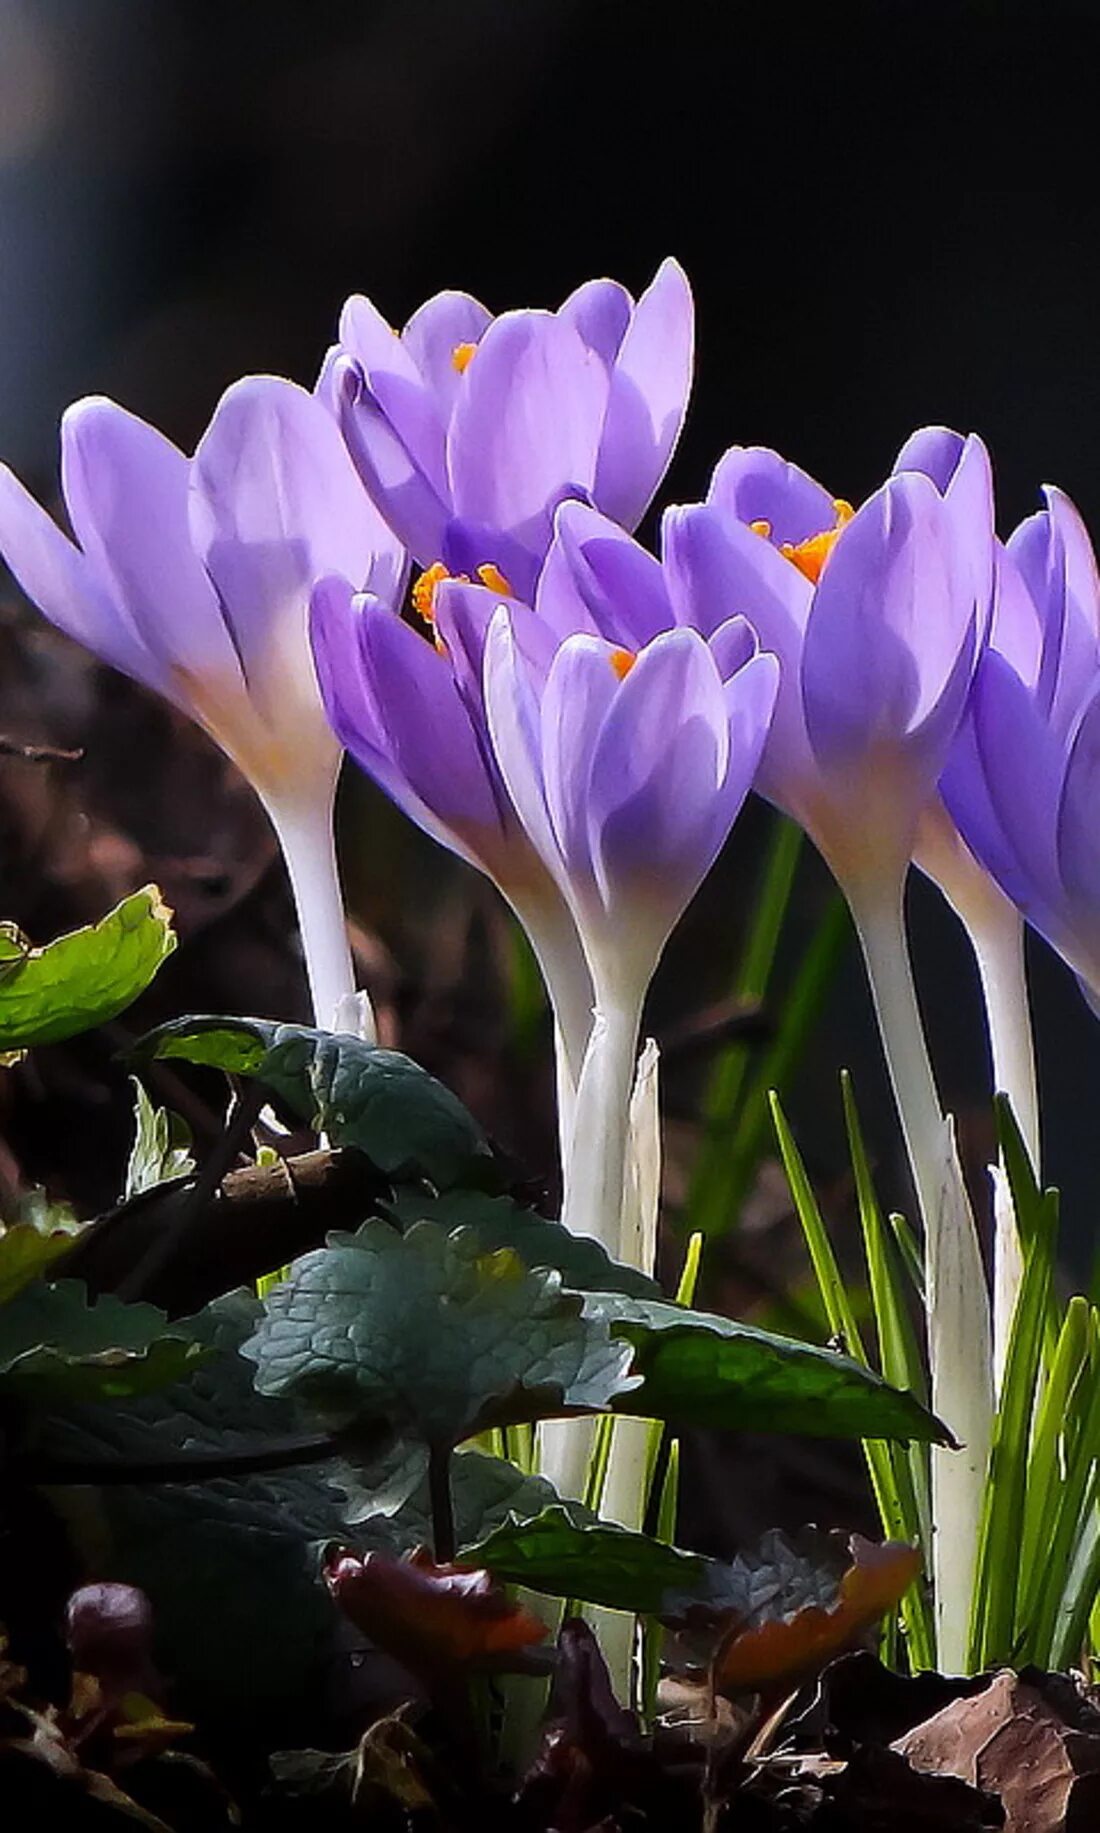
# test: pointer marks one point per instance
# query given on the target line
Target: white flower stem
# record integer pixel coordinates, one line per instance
(996, 933)
(957, 1300)
(556, 946)
(305, 834)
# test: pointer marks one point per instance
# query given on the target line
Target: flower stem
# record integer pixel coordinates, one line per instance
(957, 1300)
(555, 944)
(306, 837)
(598, 1154)
(996, 933)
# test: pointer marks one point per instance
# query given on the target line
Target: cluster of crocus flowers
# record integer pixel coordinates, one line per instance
(581, 719)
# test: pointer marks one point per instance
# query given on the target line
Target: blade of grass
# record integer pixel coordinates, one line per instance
(1071, 1506)
(653, 1635)
(1027, 1201)
(891, 1480)
(900, 1357)
(708, 1205)
(1076, 1622)
(993, 1614)
(1067, 1368)
(909, 1247)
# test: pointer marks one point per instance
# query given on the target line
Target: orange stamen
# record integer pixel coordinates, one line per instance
(424, 588)
(462, 356)
(761, 528)
(810, 556)
(622, 661)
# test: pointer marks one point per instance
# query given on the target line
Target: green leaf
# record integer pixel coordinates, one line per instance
(379, 1101)
(592, 1560)
(583, 1263)
(390, 1506)
(251, 1631)
(40, 1233)
(87, 977)
(1070, 1511)
(54, 1346)
(1069, 1367)
(162, 1146)
(699, 1369)
(434, 1334)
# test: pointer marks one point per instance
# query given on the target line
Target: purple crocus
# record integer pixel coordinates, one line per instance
(627, 766)
(879, 617)
(1022, 780)
(469, 430)
(193, 576)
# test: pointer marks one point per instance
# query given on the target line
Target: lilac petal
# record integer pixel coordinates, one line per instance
(515, 728)
(463, 613)
(600, 311)
(276, 505)
(470, 545)
(597, 579)
(1054, 555)
(891, 637)
(126, 490)
(58, 578)
(415, 506)
(1016, 628)
(969, 500)
(1078, 830)
(754, 484)
(385, 687)
(732, 645)
(580, 689)
(526, 427)
(650, 384)
(432, 336)
(1023, 765)
(659, 761)
(935, 450)
(325, 387)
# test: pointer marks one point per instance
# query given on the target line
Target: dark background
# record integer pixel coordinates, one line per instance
(890, 212)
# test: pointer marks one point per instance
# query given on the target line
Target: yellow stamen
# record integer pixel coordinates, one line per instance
(810, 556)
(622, 661)
(492, 577)
(761, 528)
(423, 592)
(462, 356)
(424, 588)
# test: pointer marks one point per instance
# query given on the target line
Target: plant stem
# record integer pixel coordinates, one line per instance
(555, 944)
(996, 933)
(598, 1156)
(305, 834)
(444, 1542)
(957, 1302)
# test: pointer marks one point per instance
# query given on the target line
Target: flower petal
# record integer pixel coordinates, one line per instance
(1078, 838)
(579, 691)
(650, 384)
(60, 580)
(600, 311)
(754, 484)
(396, 440)
(526, 427)
(515, 729)
(432, 336)
(597, 579)
(275, 506)
(126, 490)
(935, 450)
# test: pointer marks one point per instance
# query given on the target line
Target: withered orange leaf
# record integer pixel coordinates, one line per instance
(776, 1655)
(432, 1619)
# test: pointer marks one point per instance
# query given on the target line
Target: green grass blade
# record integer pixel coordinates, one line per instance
(1071, 1507)
(993, 1619)
(887, 1465)
(1068, 1365)
(653, 1635)
(1075, 1620)
(912, 1257)
(900, 1357)
(1027, 1202)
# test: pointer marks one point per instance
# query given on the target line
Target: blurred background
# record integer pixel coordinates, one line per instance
(890, 214)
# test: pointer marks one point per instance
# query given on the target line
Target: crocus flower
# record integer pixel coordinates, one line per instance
(469, 430)
(879, 616)
(627, 766)
(193, 575)
(410, 711)
(1022, 780)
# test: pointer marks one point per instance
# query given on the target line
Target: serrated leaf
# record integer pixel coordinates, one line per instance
(39, 1234)
(389, 1504)
(583, 1263)
(161, 1148)
(700, 1369)
(55, 1346)
(596, 1561)
(430, 1332)
(84, 978)
(252, 1625)
(379, 1101)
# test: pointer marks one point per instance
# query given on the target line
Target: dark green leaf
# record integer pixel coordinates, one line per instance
(703, 1370)
(389, 1504)
(54, 1346)
(87, 977)
(379, 1101)
(583, 1263)
(430, 1332)
(592, 1560)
